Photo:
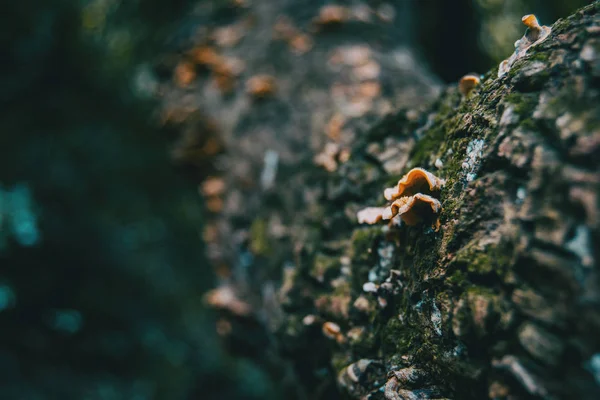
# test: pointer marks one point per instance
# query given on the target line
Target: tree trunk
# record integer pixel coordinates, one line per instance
(502, 301)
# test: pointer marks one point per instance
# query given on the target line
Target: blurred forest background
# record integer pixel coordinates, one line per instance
(103, 260)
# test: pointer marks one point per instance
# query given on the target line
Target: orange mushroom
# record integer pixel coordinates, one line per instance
(300, 43)
(333, 331)
(370, 215)
(184, 74)
(204, 55)
(531, 22)
(412, 199)
(415, 209)
(417, 180)
(260, 86)
(536, 31)
(213, 186)
(467, 83)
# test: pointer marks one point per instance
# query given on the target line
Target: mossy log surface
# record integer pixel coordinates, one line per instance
(503, 301)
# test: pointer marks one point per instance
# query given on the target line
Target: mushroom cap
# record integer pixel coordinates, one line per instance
(531, 21)
(503, 68)
(414, 209)
(370, 215)
(261, 85)
(331, 330)
(417, 180)
(467, 83)
(536, 32)
(205, 55)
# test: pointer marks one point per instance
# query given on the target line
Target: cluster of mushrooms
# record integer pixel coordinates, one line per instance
(414, 199)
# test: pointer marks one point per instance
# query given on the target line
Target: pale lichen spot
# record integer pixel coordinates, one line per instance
(473, 159)
(436, 319)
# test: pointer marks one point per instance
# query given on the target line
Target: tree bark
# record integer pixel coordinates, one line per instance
(503, 301)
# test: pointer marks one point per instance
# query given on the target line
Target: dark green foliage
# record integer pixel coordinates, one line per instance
(102, 266)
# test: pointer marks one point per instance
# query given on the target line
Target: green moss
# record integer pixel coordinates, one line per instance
(450, 202)
(339, 361)
(427, 247)
(560, 25)
(397, 337)
(293, 326)
(324, 268)
(366, 344)
(445, 121)
(539, 56)
(361, 243)
(478, 262)
(259, 238)
(462, 316)
(522, 103)
(361, 253)
(457, 279)
(480, 291)
(426, 146)
(483, 261)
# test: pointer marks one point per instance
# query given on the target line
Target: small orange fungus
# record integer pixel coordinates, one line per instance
(184, 74)
(417, 180)
(370, 215)
(260, 86)
(415, 209)
(531, 21)
(413, 199)
(467, 83)
(333, 331)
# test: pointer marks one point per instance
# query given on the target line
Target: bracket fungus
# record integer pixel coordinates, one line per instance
(333, 331)
(370, 215)
(417, 180)
(413, 200)
(414, 209)
(534, 35)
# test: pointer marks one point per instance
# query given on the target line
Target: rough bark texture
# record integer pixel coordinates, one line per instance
(503, 301)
